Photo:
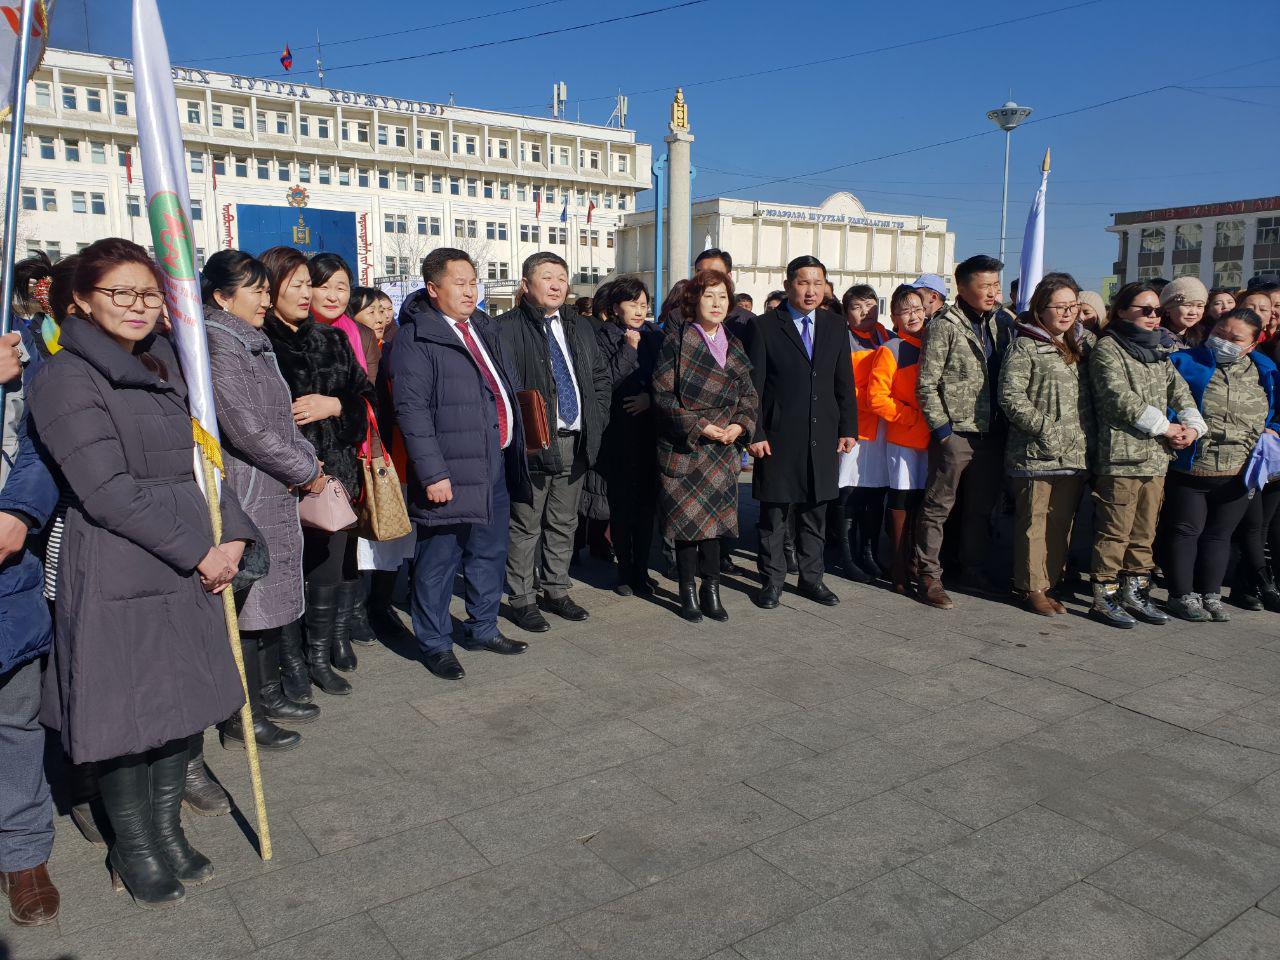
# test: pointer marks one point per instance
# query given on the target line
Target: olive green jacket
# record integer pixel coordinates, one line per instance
(1130, 400)
(1235, 408)
(954, 388)
(1047, 402)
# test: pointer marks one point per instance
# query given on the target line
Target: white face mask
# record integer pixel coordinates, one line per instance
(1224, 351)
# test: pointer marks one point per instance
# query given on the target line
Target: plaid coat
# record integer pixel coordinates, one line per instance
(698, 490)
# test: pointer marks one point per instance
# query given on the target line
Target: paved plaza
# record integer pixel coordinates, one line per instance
(878, 780)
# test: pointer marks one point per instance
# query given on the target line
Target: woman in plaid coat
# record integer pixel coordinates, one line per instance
(705, 402)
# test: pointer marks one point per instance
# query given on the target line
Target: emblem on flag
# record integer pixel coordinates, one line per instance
(286, 58)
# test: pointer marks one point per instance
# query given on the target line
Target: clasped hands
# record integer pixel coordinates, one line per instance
(726, 435)
(1179, 437)
(220, 565)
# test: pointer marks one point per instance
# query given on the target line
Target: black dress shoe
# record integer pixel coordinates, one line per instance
(768, 597)
(444, 665)
(529, 618)
(565, 608)
(726, 563)
(498, 644)
(818, 593)
(644, 586)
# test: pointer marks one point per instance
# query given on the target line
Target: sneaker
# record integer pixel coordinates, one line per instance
(1188, 607)
(1212, 603)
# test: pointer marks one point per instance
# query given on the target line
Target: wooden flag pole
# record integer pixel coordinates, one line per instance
(203, 440)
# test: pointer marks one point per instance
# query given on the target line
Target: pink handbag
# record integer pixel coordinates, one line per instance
(329, 510)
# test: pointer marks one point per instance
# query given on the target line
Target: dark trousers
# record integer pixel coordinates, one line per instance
(810, 520)
(329, 559)
(1200, 516)
(698, 557)
(631, 514)
(481, 551)
(1259, 525)
(972, 464)
(26, 813)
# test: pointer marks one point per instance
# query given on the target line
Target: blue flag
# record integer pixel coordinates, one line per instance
(564, 211)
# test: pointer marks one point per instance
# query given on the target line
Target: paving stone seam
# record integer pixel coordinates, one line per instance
(1190, 933)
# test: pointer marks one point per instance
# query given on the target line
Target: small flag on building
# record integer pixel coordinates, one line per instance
(10, 33)
(564, 211)
(286, 58)
(537, 203)
(128, 165)
(591, 208)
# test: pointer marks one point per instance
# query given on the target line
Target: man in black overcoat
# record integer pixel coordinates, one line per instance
(808, 416)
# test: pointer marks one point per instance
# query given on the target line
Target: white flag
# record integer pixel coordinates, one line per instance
(10, 31)
(164, 173)
(1032, 260)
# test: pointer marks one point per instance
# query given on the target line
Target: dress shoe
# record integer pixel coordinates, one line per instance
(767, 597)
(528, 618)
(623, 589)
(1057, 605)
(932, 594)
(709, 601)
(565, 608)
(818, 592)
(497, 644)
(689, 608)
(1039, 604)
(444, 665)
(33, 899)
(726, 563)
(644, 586)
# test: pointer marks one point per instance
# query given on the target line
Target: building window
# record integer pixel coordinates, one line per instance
(455, 186)
(534, 150)
(382, 134)
(304, 173)
(120, 103)
(362, 177)
(384, 180)
(1228, 273)
(215, 115)
(591, 275)
(324, 174)
(495, 230)
(122, 157)
(238, 115)
(44, 93)
(582, 198)
(499, 271)
(437, 183)
(344, 177)
(395, 223)
(264, 170)
(1151, 252)
(465, 228)
(469, 145)
(49, 201)
(609, 239)
(1266, 246)
(219, 168)
(282, 123)
(260, 121)
(283, 174)
(79, 202)
(304, 126)
(530, 233)
(623, 163)
(134, 206)
(557, 235)
(29, 198)
(521, 192)
(98, 204)
(68, 98)
(419, 183)
(93, 100)
(46, 148)
(608, 201)
(402, 137)
(1188, 241)
(622, 201)
(197, 163)
(54, 250)
(322, 128)
(549, 197)
(488, 189)
(589, 158)
(437, 141)
(473, 186)
(504, 190)
(71, 150)
(193, 112)
(242, 167)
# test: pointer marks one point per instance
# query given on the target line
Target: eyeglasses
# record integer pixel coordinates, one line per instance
(1064, 309)
(121, 297)
(1145, 311)
(909, 312)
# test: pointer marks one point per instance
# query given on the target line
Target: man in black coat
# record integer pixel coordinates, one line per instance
(808, 416)
(553, 351)
(455, 405)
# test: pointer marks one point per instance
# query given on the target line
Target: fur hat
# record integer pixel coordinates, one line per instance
(1182, 290)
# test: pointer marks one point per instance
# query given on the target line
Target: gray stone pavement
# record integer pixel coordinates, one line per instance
(878, 780)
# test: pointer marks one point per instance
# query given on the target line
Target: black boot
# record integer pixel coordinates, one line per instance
(689, 601)
(322, 612)
(361, 632)
(342, 656)
(382, 618)
(168, 783)
(709, 600)
(849, 567)
(293, 667)
(1267, 591)
(202, 794)
(87, 812)
(266, 733)
(275, 705)
(137, 863)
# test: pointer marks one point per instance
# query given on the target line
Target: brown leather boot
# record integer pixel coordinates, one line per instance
(931, 593)
(1037, 602)
(33, 899)
(901, 542)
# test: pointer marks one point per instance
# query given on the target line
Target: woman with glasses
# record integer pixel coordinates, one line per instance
(1044, 391)
(1133, 385)
(1182, 305)
(891, 396)
(140, 661)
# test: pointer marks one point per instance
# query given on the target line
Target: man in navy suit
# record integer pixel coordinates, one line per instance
(455, 405)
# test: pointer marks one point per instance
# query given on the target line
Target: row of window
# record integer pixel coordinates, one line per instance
(45, 200)
(428, 226)
(1189, 237)
(54, 249)
(321, 128)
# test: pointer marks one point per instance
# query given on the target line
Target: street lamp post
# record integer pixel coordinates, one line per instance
(1007, 119)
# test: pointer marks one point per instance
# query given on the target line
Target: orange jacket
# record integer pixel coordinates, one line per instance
(863, 349)
(891, 390)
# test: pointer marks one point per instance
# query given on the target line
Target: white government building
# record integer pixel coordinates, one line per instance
(384, 179)
(855, 245)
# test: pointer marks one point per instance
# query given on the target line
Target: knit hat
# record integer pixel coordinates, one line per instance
(1094, 300)
(1182, 290)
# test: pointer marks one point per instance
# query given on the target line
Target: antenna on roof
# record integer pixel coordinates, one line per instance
(319, 59)
(619, 112)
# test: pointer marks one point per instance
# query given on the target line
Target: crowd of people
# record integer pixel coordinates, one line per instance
(877, 447)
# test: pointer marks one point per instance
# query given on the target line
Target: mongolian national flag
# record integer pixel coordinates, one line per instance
(591, 208)
(128, 165)
(286, 58)
(537, 203)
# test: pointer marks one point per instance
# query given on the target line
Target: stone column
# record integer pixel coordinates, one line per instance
(679, 193)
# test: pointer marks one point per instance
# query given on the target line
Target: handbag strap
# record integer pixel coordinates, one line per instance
(372, 448)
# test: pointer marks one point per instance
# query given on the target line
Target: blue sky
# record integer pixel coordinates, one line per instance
(1218, 140)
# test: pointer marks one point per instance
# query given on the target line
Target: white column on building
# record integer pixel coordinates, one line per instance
(1250, 240)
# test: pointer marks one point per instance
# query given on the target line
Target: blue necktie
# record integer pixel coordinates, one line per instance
(566, 398)
(805, 337)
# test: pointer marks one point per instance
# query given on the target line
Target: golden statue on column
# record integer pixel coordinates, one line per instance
(679, 111)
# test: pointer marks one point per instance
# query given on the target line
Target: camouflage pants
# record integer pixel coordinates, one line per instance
(1125, 514)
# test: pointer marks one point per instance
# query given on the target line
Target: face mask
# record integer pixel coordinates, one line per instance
(1224, 351)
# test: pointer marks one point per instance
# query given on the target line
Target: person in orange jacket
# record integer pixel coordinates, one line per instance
(891, 395)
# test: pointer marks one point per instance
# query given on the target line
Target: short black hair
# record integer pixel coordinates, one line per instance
(228, 271)
(325, 265)
(621, 290)
(981, 263)
(435, 263)
(1264, 283)
(1125, 296)
(1245, 315)
(583, 306)
(713, 254)
(743, 298)
(776, 295)
(535, 260)
(800, 263)
(362, 298)
(859, 291)
(900, 295)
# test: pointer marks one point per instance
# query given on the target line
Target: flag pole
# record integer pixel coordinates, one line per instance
(13, 184)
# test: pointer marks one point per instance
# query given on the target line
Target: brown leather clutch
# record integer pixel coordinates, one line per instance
(533, 414)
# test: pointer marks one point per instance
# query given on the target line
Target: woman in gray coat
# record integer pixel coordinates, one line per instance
(266, 459)
(140, 660)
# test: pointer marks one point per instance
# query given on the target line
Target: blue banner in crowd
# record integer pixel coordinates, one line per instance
(309, 229)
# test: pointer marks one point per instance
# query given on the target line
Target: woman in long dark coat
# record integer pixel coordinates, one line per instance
(630, 346)
(706, 403)
(140, 661)
(329, 391)
(266, 458)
